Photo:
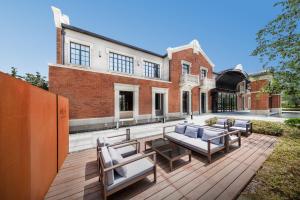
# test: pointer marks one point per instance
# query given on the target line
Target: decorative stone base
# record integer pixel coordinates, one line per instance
(260, 112)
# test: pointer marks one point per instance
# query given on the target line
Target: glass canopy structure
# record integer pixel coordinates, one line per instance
(231, 84)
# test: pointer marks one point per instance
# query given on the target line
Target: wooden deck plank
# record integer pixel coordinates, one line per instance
(223, 179)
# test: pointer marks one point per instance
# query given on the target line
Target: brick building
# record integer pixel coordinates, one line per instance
(108, 81)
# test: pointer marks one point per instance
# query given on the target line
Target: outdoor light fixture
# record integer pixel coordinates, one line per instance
(99, 54)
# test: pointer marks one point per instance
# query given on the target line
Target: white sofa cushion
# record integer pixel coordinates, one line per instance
(135, 169)
(200, 145)
(107, 162)
(126, 151)
(221, 121)
(117, 159)
(235, 128)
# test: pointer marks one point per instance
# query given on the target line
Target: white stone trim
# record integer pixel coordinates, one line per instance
(59, 18)
(90, 121)
(126, 87)
(164, 91)
(196, 49)
(102, 72)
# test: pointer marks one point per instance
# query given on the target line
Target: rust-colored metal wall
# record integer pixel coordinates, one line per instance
(29, 139)
(63, 127)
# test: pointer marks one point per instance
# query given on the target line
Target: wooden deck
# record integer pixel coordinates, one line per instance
(223, 179)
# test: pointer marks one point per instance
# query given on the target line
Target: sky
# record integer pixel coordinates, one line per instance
(226, 30)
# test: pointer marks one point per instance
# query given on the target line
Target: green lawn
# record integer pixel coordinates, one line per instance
(279, 177)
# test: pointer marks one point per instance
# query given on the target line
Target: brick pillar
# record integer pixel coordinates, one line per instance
(259, 100)
(275, 103)
(59, 46)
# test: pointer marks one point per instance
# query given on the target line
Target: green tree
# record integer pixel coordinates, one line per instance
(36, 80)
(279, 49)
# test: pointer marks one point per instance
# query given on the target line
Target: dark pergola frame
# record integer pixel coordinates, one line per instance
(224, 97)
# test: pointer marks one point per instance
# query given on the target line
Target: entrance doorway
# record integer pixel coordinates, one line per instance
(203, 103)
(126, 104)
(185, 102)
(159, 104)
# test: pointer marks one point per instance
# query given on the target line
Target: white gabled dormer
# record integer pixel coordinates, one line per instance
(194, 44)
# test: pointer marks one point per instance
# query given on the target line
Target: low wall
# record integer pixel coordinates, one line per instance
(33, 138)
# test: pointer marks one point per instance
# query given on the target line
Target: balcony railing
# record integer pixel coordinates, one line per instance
(207, 83)
(189, 80)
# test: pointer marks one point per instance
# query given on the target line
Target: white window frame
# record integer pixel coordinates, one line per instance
(184, 62)
(160, 66)
(67, 52)
(203, 68)
(108, 50)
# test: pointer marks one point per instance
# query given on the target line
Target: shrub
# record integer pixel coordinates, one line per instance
(268, 128)
(293, 122)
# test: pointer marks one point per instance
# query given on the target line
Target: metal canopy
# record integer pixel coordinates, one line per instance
(228, 79)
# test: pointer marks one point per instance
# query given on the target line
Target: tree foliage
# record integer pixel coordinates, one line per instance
(34, 79)
(279, 48)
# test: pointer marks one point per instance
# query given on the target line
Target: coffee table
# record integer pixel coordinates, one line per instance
(168, 150)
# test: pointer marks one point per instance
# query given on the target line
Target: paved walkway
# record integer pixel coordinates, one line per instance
(87, 140)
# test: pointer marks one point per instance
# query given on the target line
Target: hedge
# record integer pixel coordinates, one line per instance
(262, 127)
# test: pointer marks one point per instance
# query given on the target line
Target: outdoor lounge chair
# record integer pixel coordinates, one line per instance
(126, 147)
(134, 168)
(245, 126)
(221, 123)
(203, 140)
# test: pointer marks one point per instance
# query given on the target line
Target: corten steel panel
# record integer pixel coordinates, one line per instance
(14, 139)
(43, 132)
(63, 129)
(28, 139)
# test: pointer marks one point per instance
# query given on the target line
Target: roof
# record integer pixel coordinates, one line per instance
(73, 28)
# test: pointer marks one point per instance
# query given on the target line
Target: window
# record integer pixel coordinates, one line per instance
(158, 99)
(203, 74)
(185, 68)
(120, 63)
(126, 101)
(151, 69)
(79, 54)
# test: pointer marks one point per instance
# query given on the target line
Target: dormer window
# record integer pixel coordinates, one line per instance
(79, 54)
(185, 68)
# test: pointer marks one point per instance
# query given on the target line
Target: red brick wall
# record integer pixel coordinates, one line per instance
(259, 100)
(276, 101)
(92, 94)
(197, 60)
(58, 46)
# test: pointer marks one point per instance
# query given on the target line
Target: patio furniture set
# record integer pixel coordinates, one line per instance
(121, 164)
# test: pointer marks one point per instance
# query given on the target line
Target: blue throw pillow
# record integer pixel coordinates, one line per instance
(240, 123)
(180, 128)
(200, 132)
(191, 131)
(207, 134)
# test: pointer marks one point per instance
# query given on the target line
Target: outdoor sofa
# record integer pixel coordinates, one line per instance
(117, 172)
(245, 126)
(202, 139)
